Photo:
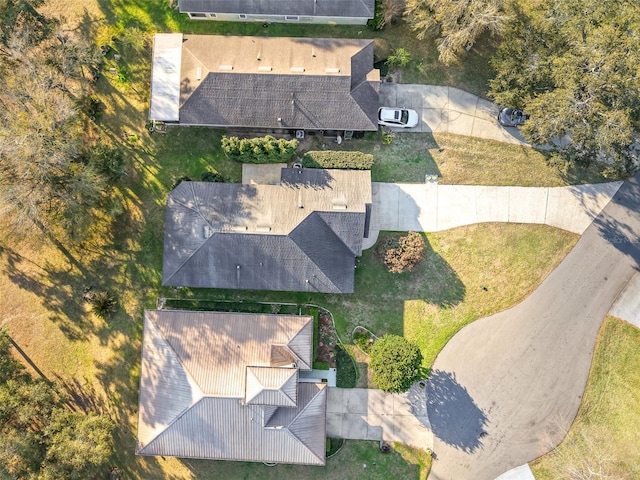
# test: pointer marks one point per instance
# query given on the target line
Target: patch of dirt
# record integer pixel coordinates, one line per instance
(327, 339)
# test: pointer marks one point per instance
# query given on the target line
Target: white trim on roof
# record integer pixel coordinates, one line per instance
(165, 77)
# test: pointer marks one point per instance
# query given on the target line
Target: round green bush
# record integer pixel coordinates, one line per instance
(396, 363)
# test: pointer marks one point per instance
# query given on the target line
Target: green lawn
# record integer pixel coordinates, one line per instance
(603, 440)
(459, 160)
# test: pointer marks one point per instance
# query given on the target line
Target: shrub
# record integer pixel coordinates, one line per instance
(401, 254)
(346, 375)
(210, 176)
(108, 162)
(363, 339)
(399, 58)
(337, 159)
(259, 150)
(395, 363)
(102, 304)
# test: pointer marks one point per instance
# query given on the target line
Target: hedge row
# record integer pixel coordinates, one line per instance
(337, 159)
(259, 150)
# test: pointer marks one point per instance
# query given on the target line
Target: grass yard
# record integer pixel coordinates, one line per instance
(459, 160)
(603, 440)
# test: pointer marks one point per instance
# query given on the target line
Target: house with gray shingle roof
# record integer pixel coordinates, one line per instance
(342, 12)
(225, 386)
(265, 83)
(303, 234)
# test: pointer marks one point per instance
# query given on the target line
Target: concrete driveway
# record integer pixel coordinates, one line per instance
(432, 207)
(449, 110)
(368, 414)
(506, 388)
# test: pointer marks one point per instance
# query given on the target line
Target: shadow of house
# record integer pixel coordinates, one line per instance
(302, 235)
(455, 418)
(268, 83)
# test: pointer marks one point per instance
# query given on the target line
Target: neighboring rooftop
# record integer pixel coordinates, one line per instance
(314, 8)
(225, 386)
(301, 235)
(266, 82)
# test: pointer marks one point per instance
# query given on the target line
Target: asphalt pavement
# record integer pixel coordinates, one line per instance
(506, 389)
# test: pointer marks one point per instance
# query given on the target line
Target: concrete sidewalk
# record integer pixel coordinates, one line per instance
(431, 207)
(368, 414)
(449, 110)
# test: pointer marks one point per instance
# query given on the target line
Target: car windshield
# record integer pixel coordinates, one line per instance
(404, 119)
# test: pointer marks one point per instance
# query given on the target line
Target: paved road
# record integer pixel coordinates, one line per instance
(506, 388)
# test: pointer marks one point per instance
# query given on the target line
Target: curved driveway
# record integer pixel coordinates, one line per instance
(506, 388)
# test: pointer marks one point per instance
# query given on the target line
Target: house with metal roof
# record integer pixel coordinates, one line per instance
(342, 12)
(226, 386)
(303, 234)
(264, 83)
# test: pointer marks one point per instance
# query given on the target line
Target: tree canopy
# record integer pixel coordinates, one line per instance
(575, 66)
(41, 438)
(396, 363)
(457, 23)
(47, 177)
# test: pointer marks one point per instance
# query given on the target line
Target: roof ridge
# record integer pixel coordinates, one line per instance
(317, 215)
(178, 417)
(206, 240)
(300, 413)
(187, 374)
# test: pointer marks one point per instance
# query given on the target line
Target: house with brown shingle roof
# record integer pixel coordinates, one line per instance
(303, 234)
(225, 386)
(264, 83)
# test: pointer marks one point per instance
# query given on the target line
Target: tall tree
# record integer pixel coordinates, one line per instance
(45, 178)
(575, 66)
(40, 437)
(457, 23)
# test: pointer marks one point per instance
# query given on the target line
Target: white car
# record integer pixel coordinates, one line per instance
(397, 117)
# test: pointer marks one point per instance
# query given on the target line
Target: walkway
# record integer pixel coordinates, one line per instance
(506, 388)
(368, 414)
(448, 109)
(433, 207)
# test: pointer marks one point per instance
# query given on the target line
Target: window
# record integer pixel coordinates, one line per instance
(197, 15)
(294, 18)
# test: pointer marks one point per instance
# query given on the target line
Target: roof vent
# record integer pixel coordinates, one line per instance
(239, 228)
(264, 69)
(225, 67)
(332, 70)
(207, 231)
(263, 229)
(339, 206)
(199, 73)
(297, 69)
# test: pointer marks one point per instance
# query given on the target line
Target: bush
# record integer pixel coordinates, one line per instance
(259, 150)
(210, 176)
(395, 363)
(399, 58)
(401, 254)
(102, 304)
(337, 159)
(108, 162)
(346, 375)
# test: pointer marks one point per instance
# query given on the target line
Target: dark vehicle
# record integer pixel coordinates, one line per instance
(512, 117)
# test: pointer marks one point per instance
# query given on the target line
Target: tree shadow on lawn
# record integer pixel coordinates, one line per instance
(379, 299)
(454, 416)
